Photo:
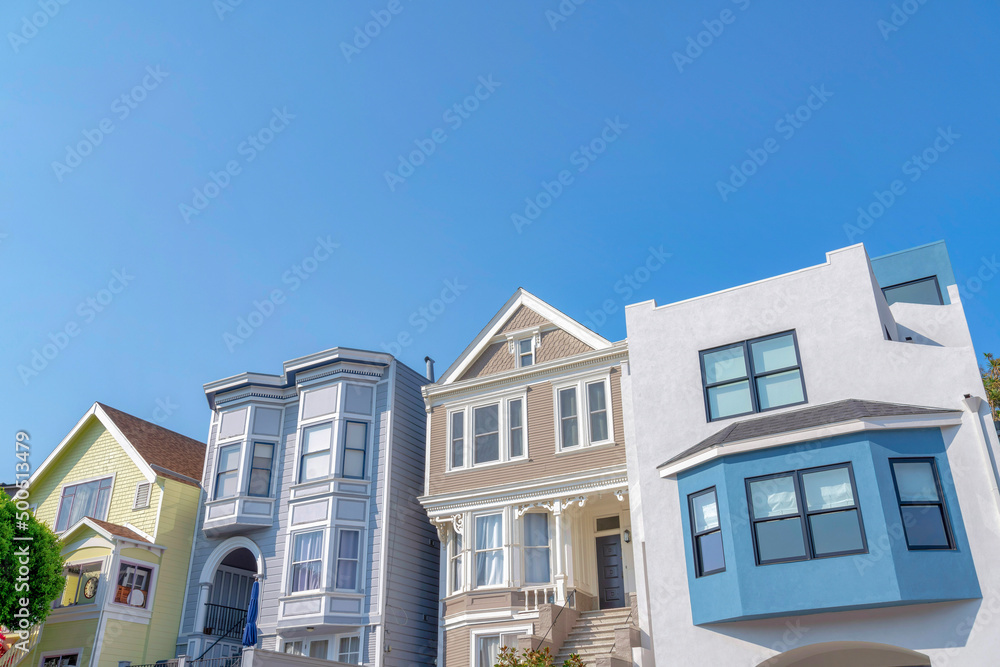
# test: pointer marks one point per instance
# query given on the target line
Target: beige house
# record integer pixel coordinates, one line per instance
(526, 482)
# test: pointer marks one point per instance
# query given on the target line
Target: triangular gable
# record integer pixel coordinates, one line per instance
(522, 312)
(96, 412)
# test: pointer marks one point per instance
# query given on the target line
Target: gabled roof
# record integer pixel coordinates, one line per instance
(105, 529)
(805, 418)
(496, 325)
(154, 449)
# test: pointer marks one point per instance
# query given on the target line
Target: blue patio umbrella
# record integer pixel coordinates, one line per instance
(250, 631)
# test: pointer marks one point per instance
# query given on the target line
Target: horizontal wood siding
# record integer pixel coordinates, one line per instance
(542, 461)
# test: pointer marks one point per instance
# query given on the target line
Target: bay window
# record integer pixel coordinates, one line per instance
(315, 456)
(456, 562)
(86, 499)
(806, 514)
(228, 474)
(133, 585)
(706, 533)
(583, 414)
(349, 650)
(355, 448)
(515, 425)
(494, 433)
(752, 376)
(260, 469)
(921, 504)
(537, 569)
(307, 561)
(489, 550)
(458, 439)
(486, 430)
(348, 555)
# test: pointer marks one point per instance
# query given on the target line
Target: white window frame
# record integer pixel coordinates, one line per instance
(524, 548)
(502, 401)
(341, 459)
(301, 443)
(583, 411)
(342, 404)
(324, 559)
(456, 554)
(335, 559)
(241, 447)
(504, 549)
(251, 450)
(451, 440)
(530, 353)
(154, 571)
(62, 653)
(350, 635)
(476, 633)
(63, 487)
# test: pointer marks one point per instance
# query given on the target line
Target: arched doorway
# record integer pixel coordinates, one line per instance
(855, 654)
(225, 582)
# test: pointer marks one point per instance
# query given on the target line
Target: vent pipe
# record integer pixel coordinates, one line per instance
(430, 368)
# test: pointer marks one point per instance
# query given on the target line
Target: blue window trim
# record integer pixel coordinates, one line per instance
(752, 375)
(940, 503)
(695, 550)
(804, 514)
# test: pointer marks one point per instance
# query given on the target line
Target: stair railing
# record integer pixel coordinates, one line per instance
(569, 602)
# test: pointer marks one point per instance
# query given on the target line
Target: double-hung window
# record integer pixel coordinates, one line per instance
(921, 504)
(456, 562)
(316, 459)
(536, 548)
(583, 415)
(228, 475)
(355, 447)
(489, 550)
(348, 555)
(806, 514)
(525, 352)
(706, 533)
(80, 500)
(307, 561)
(260, 469)
(752, 376)
(493, 433)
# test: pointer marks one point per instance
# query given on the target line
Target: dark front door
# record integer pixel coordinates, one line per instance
(610, 579)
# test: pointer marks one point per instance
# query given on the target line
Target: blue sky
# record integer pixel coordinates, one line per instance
(166, 167)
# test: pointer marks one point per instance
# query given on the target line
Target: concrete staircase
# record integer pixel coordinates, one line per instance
(593, 635)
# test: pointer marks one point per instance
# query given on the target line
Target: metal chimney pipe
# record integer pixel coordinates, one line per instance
(430, 368)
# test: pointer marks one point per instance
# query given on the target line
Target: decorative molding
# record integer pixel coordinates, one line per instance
(442, 521)
(522, 502)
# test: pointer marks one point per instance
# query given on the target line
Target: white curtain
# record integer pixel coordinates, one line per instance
(773, 497)
(306, 556)
(489, 550)
(828, 489)
(489, 651)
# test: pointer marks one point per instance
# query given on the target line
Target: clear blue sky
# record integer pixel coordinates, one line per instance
(346, 114)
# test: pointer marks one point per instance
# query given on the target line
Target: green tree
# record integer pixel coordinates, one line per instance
(991, 380)
(42, 581)
(533, 658)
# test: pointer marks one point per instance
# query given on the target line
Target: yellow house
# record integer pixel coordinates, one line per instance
(123, 495)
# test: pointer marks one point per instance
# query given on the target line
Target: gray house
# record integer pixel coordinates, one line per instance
(310, 485)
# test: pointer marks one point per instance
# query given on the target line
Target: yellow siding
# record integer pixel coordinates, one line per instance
(87, 553)
(65, 636)
(95, 454)
(140, 555)
(123, 640)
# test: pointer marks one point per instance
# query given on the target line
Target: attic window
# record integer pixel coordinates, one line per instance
(142, 495)
(525, 352)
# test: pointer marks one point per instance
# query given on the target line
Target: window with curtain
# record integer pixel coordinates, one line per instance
(487, 650)
(921, 504)
(307, 561)
(706, 533)
(458, 439)
(569, 428)
(80, 500)
(486, 424)
(355, 446)
(515, 426)
(348, 551)
(293, 648)
(456, 562)
(536, 549)
(315, 461)
(260, 469)
(489, 550)
(318, 648)
(349, 650)
(806, 514)
(752, 376)
(597, 408)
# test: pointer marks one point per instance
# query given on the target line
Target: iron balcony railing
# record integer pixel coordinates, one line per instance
(225, 621)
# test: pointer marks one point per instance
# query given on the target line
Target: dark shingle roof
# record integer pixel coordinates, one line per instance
(120, 531)
(171, 454)
(797, 420)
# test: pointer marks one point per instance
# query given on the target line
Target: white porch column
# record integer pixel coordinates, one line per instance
(560, 577)
(204, 597)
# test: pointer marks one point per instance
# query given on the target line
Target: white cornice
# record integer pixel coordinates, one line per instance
(811, 434)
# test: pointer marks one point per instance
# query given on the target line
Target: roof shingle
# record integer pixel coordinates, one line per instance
(172, 455)
(797, 420)
(120, 531)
